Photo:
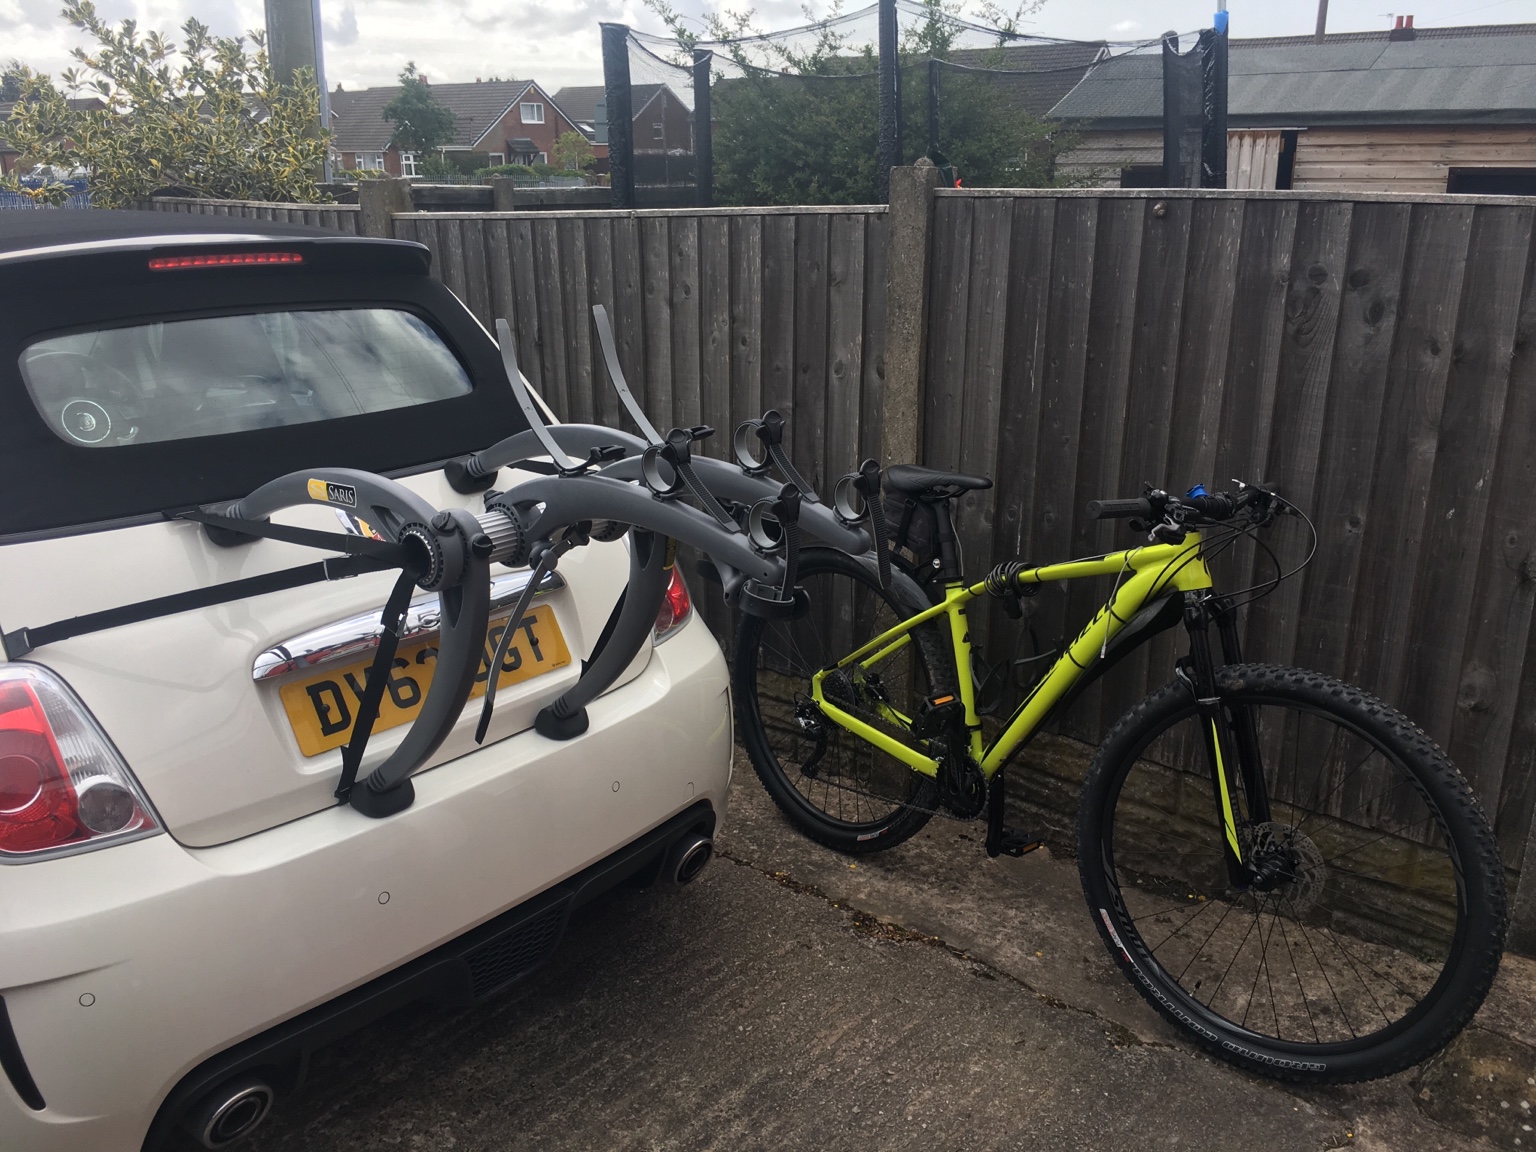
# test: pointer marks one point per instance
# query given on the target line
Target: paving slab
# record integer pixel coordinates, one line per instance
(924, 998)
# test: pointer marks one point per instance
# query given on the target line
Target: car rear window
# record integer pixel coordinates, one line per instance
(214, 375)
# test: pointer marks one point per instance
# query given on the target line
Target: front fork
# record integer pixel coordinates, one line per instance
(1228, 731)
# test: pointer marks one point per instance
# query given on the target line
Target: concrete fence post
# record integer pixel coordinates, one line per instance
(909, 237)
(379, 201)
(502, 194)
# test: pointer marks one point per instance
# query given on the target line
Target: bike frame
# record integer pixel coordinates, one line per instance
(1146, 573)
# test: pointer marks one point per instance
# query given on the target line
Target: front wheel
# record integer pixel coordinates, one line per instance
(1376, 924)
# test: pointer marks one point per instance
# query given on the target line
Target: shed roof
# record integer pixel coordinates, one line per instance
(1466, 75)
(358, 124)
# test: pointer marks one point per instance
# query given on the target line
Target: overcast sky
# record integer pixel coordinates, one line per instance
(556, 41)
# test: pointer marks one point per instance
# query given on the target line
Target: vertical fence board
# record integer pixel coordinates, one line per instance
(1011, 427)
(715, 333)
(1253, 361)
(555, 370)
(629, 331)
(871, 415)
(476, 249)
(683, 280)
(1106, 379)
(525, 290)
(574, 292)
(746, 320)
(1318, 269)
(1362, 351)
(1468, 441)
(498, 269)
(1059, 329)
(1495, 725)
(1149, 403)
(985, 341)
(845, 345)
(655, 277)
(1405, 457)
(808, 440)
(948, 323)
(600, 290)
(779, 288)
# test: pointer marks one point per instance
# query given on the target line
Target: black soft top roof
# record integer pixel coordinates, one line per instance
(43, 228)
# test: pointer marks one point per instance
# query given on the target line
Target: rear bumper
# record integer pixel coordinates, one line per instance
(125, 970)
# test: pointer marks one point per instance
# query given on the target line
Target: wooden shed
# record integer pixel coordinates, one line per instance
(1411, 110)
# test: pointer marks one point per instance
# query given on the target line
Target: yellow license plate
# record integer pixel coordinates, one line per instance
(322, 708)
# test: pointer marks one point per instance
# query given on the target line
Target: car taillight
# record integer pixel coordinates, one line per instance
(62, 785)
(676, 606)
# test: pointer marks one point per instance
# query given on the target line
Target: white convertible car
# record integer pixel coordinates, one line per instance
(185, 908)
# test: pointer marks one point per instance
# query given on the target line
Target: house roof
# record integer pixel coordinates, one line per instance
(1466, 75)
(1036, 76)
(358, 124)
(580, 104)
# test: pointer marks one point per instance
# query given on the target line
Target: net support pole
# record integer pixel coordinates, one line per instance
(1173, 114)
(933, 106)
(890, 100)
(703, 129)
(1213, 89)
(621, 116)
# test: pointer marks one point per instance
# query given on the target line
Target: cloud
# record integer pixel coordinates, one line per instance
(341, 30)
(1125, 26)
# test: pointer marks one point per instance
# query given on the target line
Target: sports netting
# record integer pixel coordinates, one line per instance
(794, 116)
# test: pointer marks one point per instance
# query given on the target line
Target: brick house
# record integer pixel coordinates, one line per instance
(662, 122)
(507, 121)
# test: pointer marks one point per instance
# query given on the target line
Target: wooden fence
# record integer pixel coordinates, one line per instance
(1369, 356)
(342, 217)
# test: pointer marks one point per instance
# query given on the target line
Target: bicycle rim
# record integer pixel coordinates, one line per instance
(1363, 924)
(836, 777)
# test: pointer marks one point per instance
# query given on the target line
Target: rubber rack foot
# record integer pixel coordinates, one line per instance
(1015, 842)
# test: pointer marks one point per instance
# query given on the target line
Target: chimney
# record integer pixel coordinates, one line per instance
(1403, 29)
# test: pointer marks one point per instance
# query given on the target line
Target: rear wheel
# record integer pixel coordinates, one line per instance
(1376, 927)
(835, 787)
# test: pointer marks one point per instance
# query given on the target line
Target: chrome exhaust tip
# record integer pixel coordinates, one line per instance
(687, 859)
(230, 1112)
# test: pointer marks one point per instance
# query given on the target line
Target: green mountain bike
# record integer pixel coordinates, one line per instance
(1286, 868)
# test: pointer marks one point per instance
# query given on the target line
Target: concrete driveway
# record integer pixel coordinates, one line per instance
(928, 998)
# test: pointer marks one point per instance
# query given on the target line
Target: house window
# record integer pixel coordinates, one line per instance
(408, 164)
(543, 157)
(658, 132)
(497, 159)
(533, 113)
(1492, 181)
(370, 161)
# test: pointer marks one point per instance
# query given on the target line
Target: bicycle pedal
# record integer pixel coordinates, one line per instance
(1015, 842)
(936, 713)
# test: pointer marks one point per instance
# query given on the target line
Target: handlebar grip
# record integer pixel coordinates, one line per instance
(1119, 509)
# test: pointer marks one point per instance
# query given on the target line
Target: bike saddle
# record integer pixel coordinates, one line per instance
(930, 483)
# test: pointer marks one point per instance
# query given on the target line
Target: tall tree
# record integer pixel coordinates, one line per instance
(421, 121)
(207, 115)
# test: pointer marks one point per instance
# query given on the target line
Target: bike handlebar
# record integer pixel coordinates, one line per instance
(1194, 506)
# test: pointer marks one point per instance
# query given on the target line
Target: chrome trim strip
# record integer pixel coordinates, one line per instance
(356, 635)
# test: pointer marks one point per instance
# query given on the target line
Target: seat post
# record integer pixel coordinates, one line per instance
(949, 556)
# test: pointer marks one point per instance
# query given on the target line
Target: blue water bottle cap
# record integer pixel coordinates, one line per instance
(1197, 490)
